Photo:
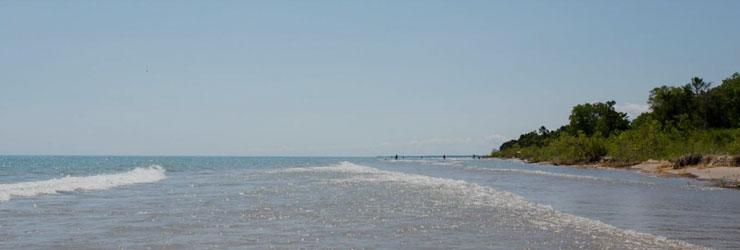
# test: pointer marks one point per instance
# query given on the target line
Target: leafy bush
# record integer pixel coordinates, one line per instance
(640, 143)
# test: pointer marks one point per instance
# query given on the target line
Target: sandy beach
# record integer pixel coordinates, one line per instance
(718, 171)
(724, 175)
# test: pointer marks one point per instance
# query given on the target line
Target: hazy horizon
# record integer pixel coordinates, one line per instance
(334, 78)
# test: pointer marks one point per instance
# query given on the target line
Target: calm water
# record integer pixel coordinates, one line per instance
(241, 202)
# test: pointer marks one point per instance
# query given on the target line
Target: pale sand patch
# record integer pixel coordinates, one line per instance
(651, 166)
(701, 172)
(714, 168)
(716, 173)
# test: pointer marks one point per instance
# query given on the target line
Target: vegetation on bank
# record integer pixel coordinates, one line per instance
(695, 118)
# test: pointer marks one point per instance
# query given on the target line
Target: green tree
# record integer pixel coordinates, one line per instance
(507, 145)
(703, 116)
(599, 118)
(699, 86)
(670, 104)
(726, 102)
(693, 118)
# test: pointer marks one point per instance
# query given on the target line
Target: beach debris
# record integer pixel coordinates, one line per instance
(686, 160)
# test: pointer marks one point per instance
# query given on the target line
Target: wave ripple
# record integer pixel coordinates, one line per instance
(509, 209)
(148, 174)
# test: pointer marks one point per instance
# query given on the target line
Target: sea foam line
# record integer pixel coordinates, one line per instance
(148, 174)
(542, 216)
(568, 176)
(458, 164)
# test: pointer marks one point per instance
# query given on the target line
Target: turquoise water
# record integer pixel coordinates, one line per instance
(80, 202)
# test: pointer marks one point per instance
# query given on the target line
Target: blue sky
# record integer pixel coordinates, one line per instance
(335, 77)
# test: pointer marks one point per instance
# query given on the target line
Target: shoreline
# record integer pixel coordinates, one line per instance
(724, 176)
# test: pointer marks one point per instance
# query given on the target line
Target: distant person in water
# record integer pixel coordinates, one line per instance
(473, 156)
(444, 157)
(396, 157)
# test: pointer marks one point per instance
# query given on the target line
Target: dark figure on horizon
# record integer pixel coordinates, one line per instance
(473, 156)
(396, 157)
(444, 157)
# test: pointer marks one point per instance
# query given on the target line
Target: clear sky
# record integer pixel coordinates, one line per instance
(338, 78)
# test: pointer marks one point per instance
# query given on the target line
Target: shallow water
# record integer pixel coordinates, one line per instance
(74, 202)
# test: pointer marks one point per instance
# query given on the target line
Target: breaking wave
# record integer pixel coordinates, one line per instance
(148, 174)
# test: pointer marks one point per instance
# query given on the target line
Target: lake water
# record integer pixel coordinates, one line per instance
(80, 202)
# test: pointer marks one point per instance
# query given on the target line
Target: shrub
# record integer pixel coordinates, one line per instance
(641, 143)
(568, 149)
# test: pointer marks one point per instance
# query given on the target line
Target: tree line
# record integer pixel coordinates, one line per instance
(692, 118)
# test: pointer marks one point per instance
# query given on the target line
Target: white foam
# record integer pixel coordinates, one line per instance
(703, 188)
(458, 163)
(148, 174)
(346, 167)
(431, 160)
(569, 176)
(542, 216)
